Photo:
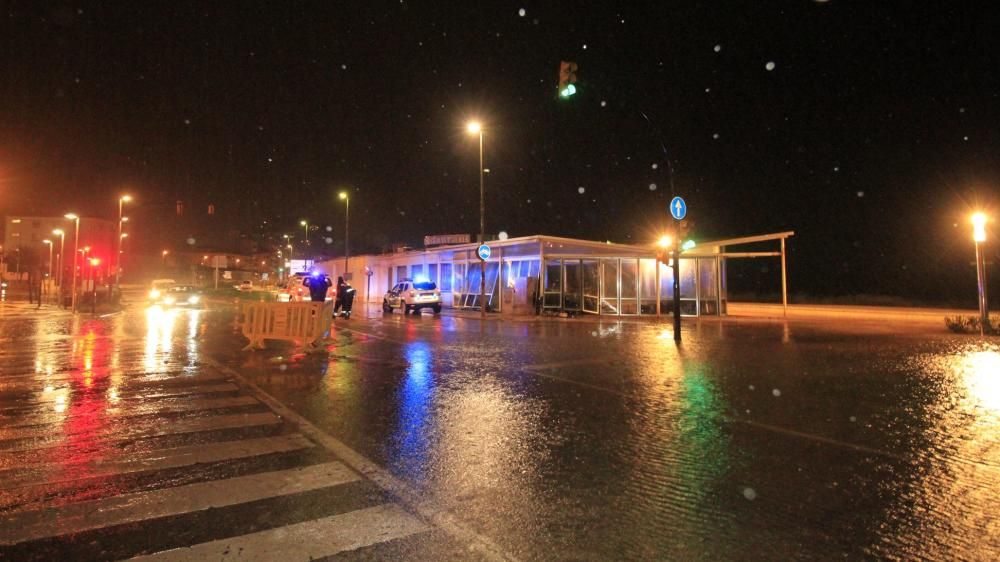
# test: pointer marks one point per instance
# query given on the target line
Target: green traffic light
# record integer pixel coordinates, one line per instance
(568, 91)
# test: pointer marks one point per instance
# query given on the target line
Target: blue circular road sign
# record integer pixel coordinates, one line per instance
(678, 208)
(484, 252)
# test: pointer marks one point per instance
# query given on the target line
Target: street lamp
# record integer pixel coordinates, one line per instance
(979, 237)
(163, 258)
(121, 221)
(475, 128)
(305, 225)
(62, 247)
(48, 281)
(94, 262)
(347, 228)
(288, 240)
(76, 250)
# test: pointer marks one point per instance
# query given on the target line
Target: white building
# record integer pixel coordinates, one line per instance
(546, 273)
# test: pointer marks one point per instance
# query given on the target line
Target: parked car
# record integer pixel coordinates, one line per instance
(412, 296)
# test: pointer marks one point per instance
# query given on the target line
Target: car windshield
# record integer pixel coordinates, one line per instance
(425, 285)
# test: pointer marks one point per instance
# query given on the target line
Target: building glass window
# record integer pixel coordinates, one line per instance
(445, 283)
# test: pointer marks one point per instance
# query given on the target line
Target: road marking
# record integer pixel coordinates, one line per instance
(153, 394)
(371, 335)
(156, 428)
(569, 363)
(146, 461)
(306, 541)
(411, 497)
(31, 381)
(37, 524)
(814, 437)
(47, 416)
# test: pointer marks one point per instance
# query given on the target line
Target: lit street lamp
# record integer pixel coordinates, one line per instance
(288, 240)
(979, 236)
(48, 281)
(94, 262)
(76, 250)
(347, 231)
(121, 221)
(163, 258)
(475, 128)
(62, 247)
(305, 226)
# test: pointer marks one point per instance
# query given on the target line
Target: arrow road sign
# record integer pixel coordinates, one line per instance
(484, 252)
(678, 208)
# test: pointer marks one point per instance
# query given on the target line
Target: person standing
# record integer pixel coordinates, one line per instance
(318, 286)
(341, 289)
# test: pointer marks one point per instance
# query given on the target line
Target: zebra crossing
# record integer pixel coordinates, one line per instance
(116, 448)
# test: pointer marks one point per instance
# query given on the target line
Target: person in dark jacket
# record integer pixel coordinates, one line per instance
(341, 289)
(318, 286)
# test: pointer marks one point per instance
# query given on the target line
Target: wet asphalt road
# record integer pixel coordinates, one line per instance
(540, 440)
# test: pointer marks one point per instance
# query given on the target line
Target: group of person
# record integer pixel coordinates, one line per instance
(319, 285)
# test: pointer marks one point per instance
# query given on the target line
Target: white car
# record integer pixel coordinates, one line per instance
(159, 287)
(412, 296)
(244, 286)
(295, 289)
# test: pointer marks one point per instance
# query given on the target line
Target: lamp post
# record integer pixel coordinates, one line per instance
(94, 262)
(76, 249)
(62, 247)
(121, 221)
(288, 243)
(163, 258)
(979, 236)
(48, 278)
(305, 225)
(475, 128)
(347, 227)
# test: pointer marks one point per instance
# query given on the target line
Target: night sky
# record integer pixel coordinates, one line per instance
(869, 128)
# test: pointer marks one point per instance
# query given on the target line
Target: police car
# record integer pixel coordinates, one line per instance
(412, 296)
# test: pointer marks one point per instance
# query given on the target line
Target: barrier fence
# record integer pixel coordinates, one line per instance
(305, 323)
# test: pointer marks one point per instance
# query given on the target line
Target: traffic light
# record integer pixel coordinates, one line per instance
(567, 79)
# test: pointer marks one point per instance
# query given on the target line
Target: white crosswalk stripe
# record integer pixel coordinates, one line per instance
(43, 435)
(143, 506)
(305, 541)
(48, 451)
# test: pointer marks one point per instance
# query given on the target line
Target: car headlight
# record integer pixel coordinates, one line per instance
(154, 294)
(193, 299)
(170, 300)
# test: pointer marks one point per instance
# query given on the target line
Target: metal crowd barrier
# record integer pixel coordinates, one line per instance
(305, 323)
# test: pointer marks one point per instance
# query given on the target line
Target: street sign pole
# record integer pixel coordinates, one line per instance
(678, 210)
(484, 254)
(677, 281)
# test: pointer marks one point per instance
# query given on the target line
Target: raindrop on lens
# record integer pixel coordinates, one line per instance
(749, 493)
(769, 66)
(581, 190)
(522, 12)
(776, 392)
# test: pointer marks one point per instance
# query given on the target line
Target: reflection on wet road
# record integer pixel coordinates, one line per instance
(604, 440)
(556, 440)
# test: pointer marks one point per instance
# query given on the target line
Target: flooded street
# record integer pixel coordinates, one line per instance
(549, 439)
